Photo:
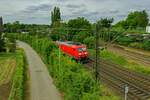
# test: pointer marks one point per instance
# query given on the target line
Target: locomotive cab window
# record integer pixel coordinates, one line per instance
(81, 49)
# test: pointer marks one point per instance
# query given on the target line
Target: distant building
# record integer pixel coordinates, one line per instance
(148, 29)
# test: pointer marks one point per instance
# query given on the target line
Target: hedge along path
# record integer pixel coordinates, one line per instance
(42, 87)
(6, 70)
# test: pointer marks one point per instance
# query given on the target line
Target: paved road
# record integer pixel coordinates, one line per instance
(42, 87)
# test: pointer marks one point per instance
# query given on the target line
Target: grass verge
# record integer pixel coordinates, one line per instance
(120, 60)
(7, 67)
(17, 90)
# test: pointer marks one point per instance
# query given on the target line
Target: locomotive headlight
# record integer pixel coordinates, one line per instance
(85, 53)
(80, 54)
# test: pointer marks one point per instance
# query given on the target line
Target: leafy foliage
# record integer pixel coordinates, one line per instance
(146, 45)
(2, 43)
(105, 22)
(89, 41)
(134, 42)
(1, 24)
(73, 79)
(123, 40)
(26, 28)
(78, 25)
(134, 20)
(138, 19)
(55, 15)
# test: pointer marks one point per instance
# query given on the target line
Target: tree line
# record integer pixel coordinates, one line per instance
(81, 30)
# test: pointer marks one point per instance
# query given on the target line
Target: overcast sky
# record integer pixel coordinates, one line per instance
(38, 11)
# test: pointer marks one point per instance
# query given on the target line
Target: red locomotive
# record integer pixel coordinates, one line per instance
(75, 50)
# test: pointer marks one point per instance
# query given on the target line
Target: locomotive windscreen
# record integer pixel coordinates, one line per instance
(73, 43)
(81, 49)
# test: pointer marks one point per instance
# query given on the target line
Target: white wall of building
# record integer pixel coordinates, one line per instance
(148, 29)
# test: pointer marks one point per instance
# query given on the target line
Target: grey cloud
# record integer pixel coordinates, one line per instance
(41, 7)
(75, 6)
(38, 11)
(114, 11)
(122, 15)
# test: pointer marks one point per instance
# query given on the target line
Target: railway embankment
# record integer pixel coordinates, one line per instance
(117, 72)
(72, 79)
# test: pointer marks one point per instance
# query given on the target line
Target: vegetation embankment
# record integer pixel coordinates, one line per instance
(71, 78)
(136, 42)
(12, 75)
(11, 69)
(17, 89)
(119, 60)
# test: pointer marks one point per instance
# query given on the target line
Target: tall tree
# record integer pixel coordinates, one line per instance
(103, 25)
(1, 24)
(55, 16)
(79, 27)
(105, 22)
(1, 35)
(135, 19)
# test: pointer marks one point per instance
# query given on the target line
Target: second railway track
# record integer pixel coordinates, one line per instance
(117, 77)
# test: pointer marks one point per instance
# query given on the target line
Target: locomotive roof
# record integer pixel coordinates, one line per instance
(71, 43)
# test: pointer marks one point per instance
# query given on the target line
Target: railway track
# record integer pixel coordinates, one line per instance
(117, 77)
(143, 59)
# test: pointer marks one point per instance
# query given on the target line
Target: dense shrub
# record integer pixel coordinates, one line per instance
(73, 79)
(146, 44)
(134, 42)
(89, 41)
(123, 40)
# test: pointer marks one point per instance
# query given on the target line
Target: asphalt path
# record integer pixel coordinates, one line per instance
(41, 83)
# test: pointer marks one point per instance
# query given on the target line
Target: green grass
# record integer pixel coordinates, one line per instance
(123, 62)
(113, 57)
(11, 71)
(7, 66)
(18, 78)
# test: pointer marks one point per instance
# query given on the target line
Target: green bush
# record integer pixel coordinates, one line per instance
(146, 44)
(89, 41)
(73, 79)
(123, 40)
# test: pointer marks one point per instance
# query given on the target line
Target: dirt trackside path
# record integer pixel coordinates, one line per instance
(42, 87)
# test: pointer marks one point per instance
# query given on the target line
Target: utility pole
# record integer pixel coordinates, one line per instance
(97, 51)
